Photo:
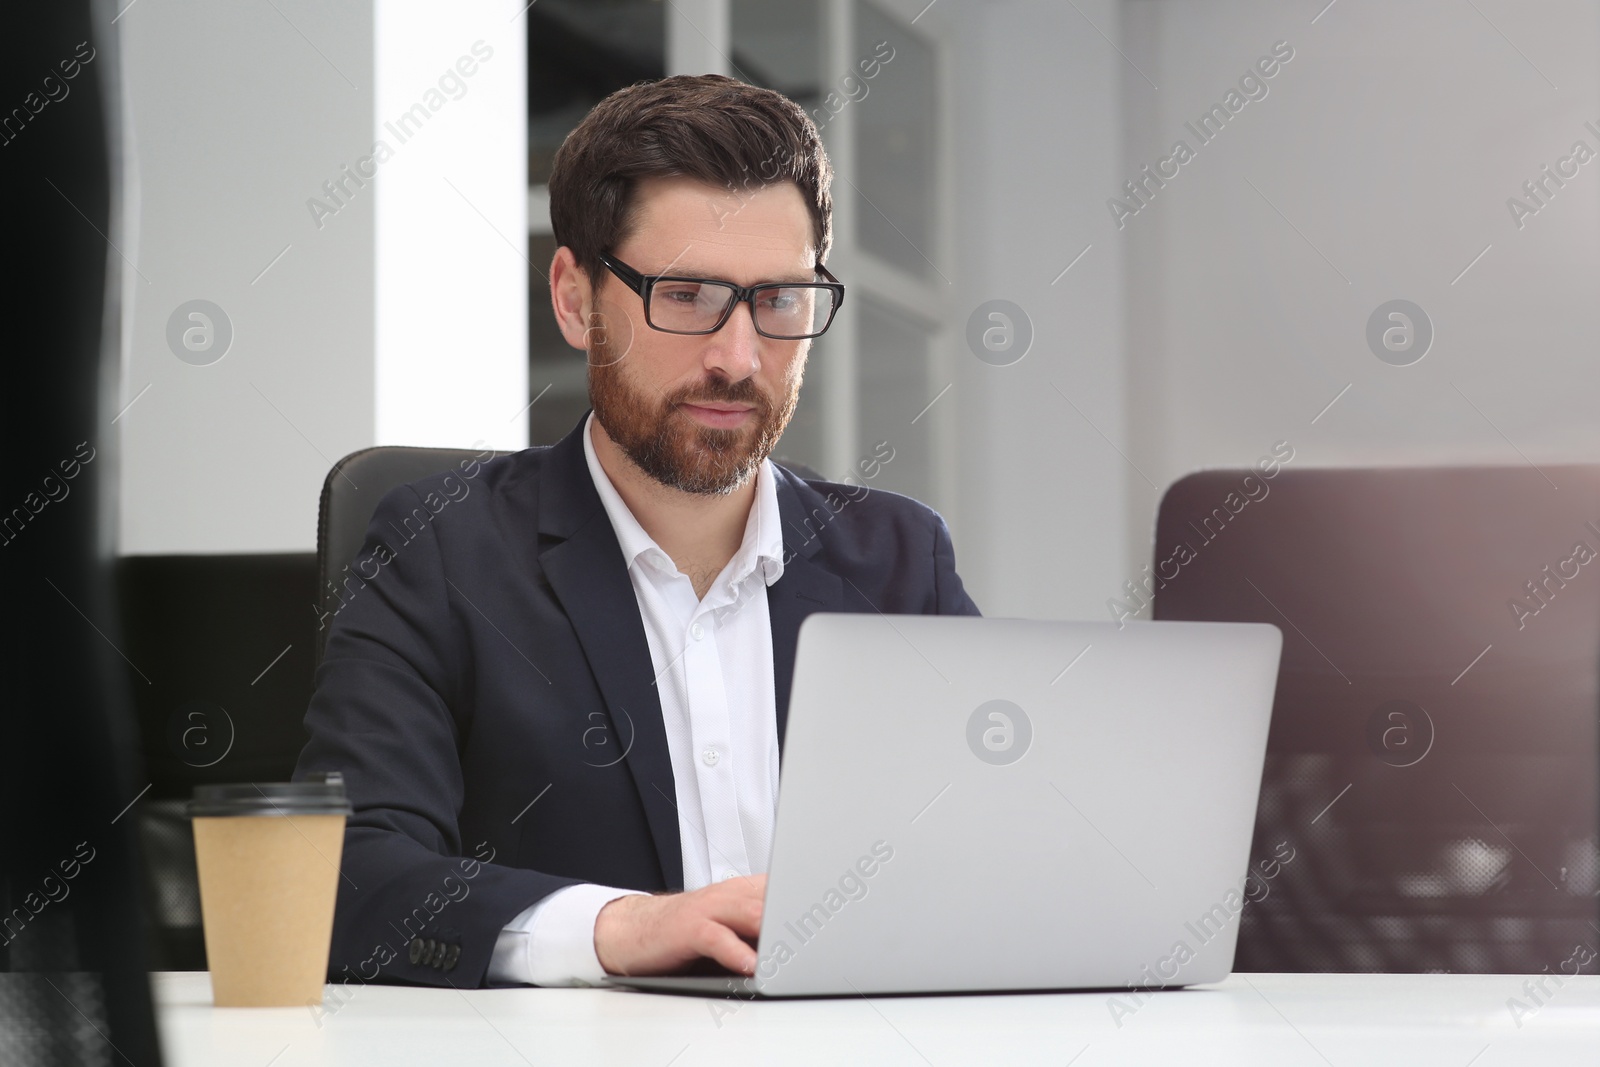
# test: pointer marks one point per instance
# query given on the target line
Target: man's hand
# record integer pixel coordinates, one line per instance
(661, 934)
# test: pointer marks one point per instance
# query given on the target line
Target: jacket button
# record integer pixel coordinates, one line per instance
(438, 955)
(452, 957)
(416, 950)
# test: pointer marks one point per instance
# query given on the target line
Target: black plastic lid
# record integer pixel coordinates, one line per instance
(325, 797)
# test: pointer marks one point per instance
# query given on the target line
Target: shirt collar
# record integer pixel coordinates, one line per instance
(760, 551)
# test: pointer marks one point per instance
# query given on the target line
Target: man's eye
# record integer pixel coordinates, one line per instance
(679, 294)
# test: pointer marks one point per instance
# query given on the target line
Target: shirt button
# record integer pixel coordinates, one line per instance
(697, 631)
(710, 757)
(729, 874)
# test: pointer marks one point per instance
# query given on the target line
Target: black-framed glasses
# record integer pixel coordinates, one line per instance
(784, 311)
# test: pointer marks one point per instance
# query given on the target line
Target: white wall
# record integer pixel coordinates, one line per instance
(1224, 318)
(1391, 142)
(1038, 526)
(239, 114)
(229, 142)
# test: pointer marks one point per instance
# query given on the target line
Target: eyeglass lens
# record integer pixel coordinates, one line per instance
(789, 311)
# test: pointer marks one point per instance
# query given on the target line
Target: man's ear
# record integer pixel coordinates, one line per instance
(571, 297)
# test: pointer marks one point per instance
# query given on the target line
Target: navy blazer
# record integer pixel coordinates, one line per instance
(488, 694)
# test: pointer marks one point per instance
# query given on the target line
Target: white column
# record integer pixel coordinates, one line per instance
(451, 258)
(699, 37)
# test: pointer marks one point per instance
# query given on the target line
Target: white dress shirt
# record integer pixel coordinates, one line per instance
(712, 660)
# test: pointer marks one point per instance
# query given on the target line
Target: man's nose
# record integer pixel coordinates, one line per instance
(736, 348)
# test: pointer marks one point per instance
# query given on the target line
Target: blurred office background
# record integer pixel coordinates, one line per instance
(976, 165)
(1220, 312)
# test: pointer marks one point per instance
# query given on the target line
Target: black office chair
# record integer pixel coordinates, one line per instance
(1434, 756)
(350, 494)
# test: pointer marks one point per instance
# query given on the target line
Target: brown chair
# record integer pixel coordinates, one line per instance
(1435, 743)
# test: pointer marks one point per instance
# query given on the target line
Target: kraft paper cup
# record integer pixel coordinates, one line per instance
(268, 857)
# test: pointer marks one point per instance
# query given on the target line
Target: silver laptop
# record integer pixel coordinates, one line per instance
(983, 804)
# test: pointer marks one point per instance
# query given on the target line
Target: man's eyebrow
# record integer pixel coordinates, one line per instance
(680, 271)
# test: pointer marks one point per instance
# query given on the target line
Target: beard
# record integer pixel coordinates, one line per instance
(668, 444)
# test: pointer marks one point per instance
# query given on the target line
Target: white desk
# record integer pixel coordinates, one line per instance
(1276, 1019)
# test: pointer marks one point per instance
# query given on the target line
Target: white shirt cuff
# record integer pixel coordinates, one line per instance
(552, 942)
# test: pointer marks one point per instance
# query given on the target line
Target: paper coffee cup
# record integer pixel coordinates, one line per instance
(268, 857)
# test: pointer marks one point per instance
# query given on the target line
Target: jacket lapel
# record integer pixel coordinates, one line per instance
(590, 578)
(804, 588)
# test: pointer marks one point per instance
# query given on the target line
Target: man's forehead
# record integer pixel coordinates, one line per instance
(708, 223)
(741, 262)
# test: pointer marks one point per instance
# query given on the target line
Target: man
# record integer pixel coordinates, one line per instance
(559, 710)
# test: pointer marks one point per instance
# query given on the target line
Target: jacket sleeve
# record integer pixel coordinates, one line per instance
(949, 594)
(416, 903)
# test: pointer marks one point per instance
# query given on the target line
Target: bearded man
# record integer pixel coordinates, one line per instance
(560, 717)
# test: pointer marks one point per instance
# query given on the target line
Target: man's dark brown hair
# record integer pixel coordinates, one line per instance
(708, 127)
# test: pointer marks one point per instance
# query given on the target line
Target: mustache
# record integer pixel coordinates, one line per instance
(719, 391)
